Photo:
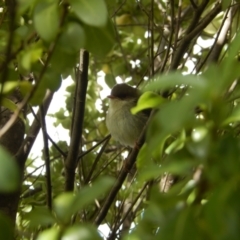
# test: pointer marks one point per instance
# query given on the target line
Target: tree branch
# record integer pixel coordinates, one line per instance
(78, 117)
(122, 176)
(28, 142)
(222, 34)
(196, 30)
(170, 37)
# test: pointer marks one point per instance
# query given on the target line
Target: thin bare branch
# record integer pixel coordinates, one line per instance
(96, 161)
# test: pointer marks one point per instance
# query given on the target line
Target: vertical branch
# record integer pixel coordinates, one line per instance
(152, 39)
(185, 42)
(178, 21)
(223, 33)
(170, 38)
(199, 26)
(77, 125)
(46, 157)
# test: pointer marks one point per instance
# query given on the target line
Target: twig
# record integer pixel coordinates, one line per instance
(96, 145)
(96, 161)
(122, 50)
(32, 192)
(127, 212)
(118, 9)
(104, 167)
(37, 168)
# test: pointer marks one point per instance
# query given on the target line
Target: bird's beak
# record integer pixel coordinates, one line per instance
(110, 96)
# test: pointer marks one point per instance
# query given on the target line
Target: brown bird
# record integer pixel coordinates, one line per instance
(121, 123)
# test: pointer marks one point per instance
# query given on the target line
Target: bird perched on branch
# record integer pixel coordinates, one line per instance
(121, 123)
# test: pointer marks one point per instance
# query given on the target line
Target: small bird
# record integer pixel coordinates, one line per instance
(121, 123)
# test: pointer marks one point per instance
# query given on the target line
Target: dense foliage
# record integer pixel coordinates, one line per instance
(183, 182)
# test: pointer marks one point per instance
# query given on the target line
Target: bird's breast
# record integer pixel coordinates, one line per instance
(123, 126)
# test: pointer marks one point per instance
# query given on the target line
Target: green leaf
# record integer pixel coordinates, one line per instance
(91, 12)
(67, 204)
(148, 100)
(52, 233)
(22, 32)
(23, 5)
(172, 117)
(63, 61)
(81, 231)
(72, 38)
(177, 144)
(225, 4)
(23, 86)
(38, 96)
(222, 210)
(40, 216)
(9, 172)
(51, 80)
(6, 102)
(6, 226)
(234, 116)
(46, 19)
(63, 205)
(174, 167)
(100, 40)
(88, 194)
(30, 55)
(174, 79)
(8, 86)
(234, 48)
